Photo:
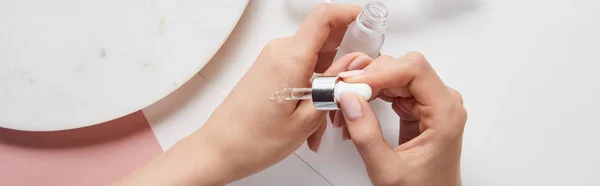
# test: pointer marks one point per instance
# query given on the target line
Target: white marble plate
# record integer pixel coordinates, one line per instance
(67, 64)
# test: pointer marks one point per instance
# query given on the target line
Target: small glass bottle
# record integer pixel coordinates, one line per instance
(366, 34)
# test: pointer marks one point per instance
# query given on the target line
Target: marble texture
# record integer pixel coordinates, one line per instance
(66, 64)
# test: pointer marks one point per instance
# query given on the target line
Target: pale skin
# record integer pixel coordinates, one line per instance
(244, 136)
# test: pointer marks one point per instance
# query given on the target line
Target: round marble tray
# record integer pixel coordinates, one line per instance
(67, 64)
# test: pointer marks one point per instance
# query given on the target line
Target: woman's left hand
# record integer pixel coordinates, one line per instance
(249, 132)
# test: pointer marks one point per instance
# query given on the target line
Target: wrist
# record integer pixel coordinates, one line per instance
(190, 161)
(211, 165)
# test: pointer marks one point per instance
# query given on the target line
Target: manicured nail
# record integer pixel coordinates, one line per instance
(351, 73)
(350, 106)
(359, 62)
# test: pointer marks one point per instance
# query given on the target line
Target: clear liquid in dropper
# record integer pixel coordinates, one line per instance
(292, 94)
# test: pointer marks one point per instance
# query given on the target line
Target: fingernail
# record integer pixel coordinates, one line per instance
(351, 73)
(345, 134)
(336, 119)
(315, 148)
(318, 146)
(350, 106)
(359, 62)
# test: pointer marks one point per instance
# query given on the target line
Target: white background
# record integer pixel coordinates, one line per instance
(526, 68)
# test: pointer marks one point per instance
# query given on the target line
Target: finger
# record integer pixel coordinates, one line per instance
(409, 125)
(408, 105)
(365, 131)
(355, 59)
(337, 117)
(409, 130)
(398, 92)
(334, 39)
(388, 93)
(316, 28)
(351, 61)
(305, 107)
(345, 133)
(324, 61)
(403, 113)
(411, 71)
(331, 115)
(386, 98)
(314, 140)
(456, 95)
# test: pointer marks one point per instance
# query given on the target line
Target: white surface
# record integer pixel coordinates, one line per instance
(292, 171)
(338, 161)
(527, 70)
(66, 64)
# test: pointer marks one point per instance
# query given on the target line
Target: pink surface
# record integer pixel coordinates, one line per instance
(94, 155)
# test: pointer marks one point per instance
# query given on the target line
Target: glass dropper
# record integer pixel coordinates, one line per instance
(292, 94)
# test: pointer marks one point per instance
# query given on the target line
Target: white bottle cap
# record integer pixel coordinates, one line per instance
(362, 89)
(326, 91)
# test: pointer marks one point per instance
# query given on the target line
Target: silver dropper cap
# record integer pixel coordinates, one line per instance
(323, 96)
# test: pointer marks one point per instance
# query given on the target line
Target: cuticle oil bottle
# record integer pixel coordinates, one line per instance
(367, 33)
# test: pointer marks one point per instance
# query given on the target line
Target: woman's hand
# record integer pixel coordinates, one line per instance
(249, 132)
(432, 120)
(256, 132)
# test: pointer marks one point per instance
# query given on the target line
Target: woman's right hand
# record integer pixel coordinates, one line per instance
(432, 120)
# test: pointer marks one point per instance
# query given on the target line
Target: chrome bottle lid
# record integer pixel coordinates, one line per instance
(323, 96)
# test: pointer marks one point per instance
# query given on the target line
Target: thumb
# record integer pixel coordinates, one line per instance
(365, 131)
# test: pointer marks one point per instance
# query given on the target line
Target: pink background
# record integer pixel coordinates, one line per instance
(95, 155)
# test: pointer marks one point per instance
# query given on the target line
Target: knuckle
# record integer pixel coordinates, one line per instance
(458, 110)
(456, 95)
(416, 56)
(416, 60)
(453, 112)
(301, 57)
(453, 109)
(458, 116)
(462, 114)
